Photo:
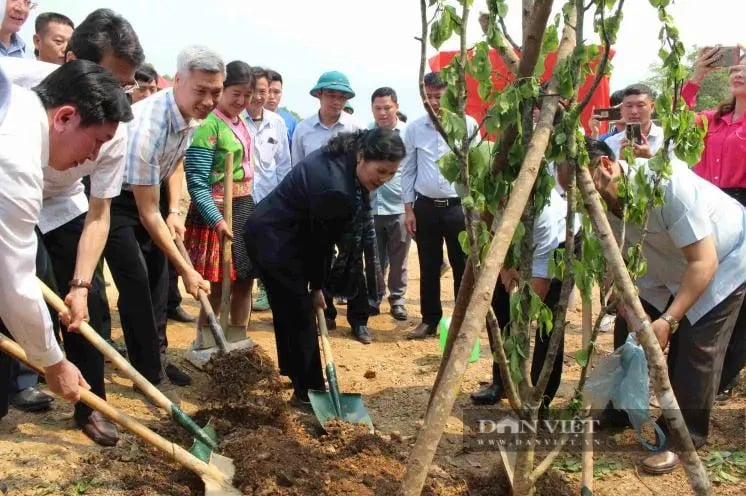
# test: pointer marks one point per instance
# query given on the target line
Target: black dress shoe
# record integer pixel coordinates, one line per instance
(176, 376)
(301, 404)
(361, 333)
(423, 331)
(179, 315)
(98, 428)
(490, 395)
(399, 312)
(31, 400)
(374, 310)
(331, 324)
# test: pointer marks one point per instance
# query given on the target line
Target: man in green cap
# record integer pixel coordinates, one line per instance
(333, 90)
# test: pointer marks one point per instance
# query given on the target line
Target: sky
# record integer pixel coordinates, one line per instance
(372, 42)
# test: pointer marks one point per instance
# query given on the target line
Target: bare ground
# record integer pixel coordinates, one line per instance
(280, 451)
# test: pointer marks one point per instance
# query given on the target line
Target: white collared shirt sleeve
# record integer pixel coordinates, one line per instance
(283, 161)
(409, 165)
(22, 306)
(107, 176)
(298, 153)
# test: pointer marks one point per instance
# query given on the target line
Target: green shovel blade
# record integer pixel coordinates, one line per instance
(352, 408)
(201, 450)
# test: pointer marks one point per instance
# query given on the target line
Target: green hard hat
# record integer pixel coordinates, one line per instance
(333, 80)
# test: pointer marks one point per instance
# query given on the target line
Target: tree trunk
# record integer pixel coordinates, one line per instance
(656, 361)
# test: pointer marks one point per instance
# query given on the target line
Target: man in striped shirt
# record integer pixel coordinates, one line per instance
(140, 239)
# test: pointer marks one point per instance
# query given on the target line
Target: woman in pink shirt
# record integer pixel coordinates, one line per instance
(723, 163)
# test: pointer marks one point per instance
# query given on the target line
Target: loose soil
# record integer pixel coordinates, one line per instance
(278, 450)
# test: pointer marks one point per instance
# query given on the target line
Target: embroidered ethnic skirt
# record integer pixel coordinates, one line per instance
(204, 247)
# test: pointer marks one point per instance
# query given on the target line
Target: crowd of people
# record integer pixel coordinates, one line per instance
(323, 212)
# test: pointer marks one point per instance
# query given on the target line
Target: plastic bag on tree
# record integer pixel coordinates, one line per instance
(622, 378)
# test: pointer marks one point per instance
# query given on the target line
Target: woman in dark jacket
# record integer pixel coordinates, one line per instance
(322, 202)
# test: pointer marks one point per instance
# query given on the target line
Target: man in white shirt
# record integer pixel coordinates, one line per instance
(271, 151)
(695, 246)
(333, 90)
(638, 105)
(432, 208)
(74, 229)
(63, 122)
(140, 240)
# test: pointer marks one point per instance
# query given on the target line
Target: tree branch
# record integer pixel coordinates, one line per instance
(504, 30)
(508, 55)
(502, 361)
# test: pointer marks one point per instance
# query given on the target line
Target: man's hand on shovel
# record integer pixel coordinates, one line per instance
(77, 309)
(194, 282)
(64, 379)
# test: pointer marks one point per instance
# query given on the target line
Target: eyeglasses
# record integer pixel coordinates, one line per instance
(26, 3)
(129, 88)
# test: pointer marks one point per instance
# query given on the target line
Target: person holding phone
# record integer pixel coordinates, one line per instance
(615, 104)
(723, 163)
(642, 135)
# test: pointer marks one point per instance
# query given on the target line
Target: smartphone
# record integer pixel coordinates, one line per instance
(728, 56)
(608, 114)
(634, 133)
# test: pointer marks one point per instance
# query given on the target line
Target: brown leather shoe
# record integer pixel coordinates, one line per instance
(661, 463)
(423, 331)
(98, 428)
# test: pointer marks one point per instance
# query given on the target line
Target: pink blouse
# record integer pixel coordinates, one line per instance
(723, 161)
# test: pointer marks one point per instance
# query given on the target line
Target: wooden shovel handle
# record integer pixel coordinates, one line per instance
(217, 331)
(109, 352)
(173, 450)
(227, 257)
(326, 346)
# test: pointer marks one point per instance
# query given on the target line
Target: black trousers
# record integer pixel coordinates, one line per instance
(735, 357)
(435, 224)
(695, 360)
(61, 246)
(139, 270)
(174, 296)
(98, 293)
(357, 307)
(294, 321)
(501, 307)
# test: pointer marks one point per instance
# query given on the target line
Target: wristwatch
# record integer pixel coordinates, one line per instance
(673, 323)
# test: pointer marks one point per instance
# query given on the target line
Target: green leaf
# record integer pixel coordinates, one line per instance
(449, 167)
(581, 357)
(463, 240)
(454, 125)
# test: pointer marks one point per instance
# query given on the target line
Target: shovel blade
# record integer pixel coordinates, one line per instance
(353, 409)
(221, 487)
(202, 450)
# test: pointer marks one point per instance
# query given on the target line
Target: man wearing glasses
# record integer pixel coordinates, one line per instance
(15, 14)
(73, 229)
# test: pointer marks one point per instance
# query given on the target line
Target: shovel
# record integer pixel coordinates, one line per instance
(205, 438)
(227, 255)
(333, 404)
(216, 472)
(212, 321)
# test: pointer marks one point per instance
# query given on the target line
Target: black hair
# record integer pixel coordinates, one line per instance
(638, 89)
(105, 32)
(616, 98)
(597, 149)
(90, 88)
(273, 76)
(375, 144)
(45, 19)
(401, 116)
(384, 92)
(260, 72)
(146, 73)
(432, 80)
(238, 72)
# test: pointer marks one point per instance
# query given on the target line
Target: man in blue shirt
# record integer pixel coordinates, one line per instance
(388, 212)
(15, 14)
